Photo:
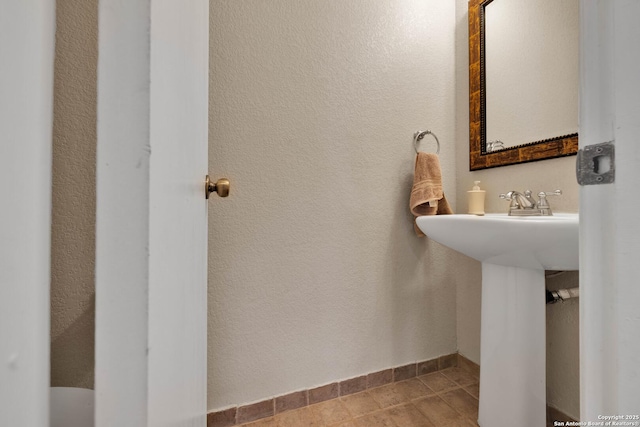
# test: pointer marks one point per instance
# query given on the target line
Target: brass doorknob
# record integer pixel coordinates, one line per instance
(221, 187)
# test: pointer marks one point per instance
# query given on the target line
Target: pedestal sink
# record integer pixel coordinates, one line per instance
(515, 252)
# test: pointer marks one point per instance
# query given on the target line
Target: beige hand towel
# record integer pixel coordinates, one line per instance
(427, 197)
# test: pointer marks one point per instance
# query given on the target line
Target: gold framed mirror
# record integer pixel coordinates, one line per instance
(555, 28)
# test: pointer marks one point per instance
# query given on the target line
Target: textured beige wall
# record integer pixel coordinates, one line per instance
(317, 239)
(546, 175)
(315, 272)
(73, 212)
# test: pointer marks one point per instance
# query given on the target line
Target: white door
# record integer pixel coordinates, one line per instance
(609, 226)
(26, 116)
(151, 237)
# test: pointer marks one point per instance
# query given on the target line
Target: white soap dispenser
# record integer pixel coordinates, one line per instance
(476, 199)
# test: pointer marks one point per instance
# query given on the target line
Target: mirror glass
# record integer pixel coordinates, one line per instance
(524, 80)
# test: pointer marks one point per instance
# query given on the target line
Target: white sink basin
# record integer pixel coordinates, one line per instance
(536, 242)
(514, 252)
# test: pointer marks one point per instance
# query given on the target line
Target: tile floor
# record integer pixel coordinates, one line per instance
(447, 398)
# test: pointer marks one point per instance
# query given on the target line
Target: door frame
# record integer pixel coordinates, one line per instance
(27, 35)
(152, 108)
(609, 229)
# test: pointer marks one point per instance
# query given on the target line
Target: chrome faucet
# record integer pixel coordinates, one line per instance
(526, 205)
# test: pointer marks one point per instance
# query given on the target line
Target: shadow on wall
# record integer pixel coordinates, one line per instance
(72, 351)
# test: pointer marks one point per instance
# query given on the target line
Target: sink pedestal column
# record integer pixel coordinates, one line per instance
(512, 347)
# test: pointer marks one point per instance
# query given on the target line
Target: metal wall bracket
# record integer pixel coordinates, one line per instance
(596, 164)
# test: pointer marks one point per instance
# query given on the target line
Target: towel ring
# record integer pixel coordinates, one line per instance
(417, 137)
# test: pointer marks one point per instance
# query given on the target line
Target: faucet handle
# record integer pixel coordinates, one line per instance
(552, 193)
(508, 196)
(543, 203)
(511, 198)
